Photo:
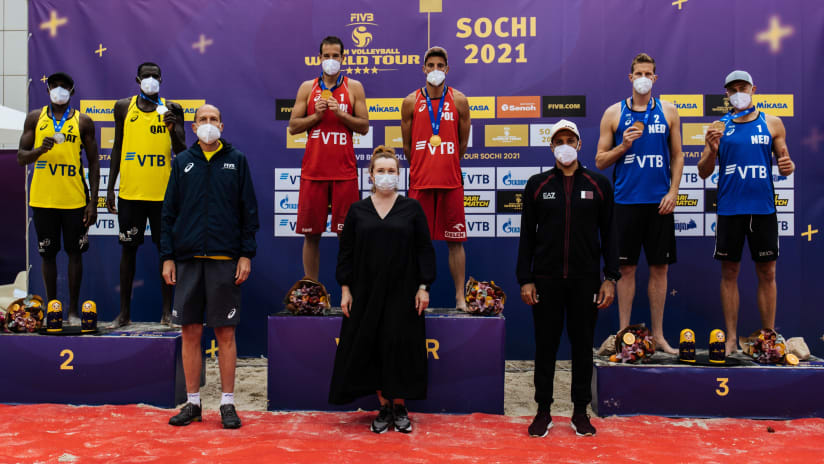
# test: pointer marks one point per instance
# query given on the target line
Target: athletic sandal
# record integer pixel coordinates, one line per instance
(402, 422)
(581, 425)
(384, 419)
(540, 425)
(188, 413)
(229, 417)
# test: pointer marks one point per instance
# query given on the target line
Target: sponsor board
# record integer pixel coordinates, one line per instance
(286, 202)
(519, 107)
(106, 224)
(782, 182)
(563, 106)
(716, 105)
(710, 200)
(189, 107)
(515, 178)
(509, 201)
(297, 140)
(479, 201)
(784, 201)
(478, 178)
(508, 225)
(384, 109)
(283, 108)
(786, 224)
(774, 104)
(480, 225)
(285, 226)
(689, 225)
(362, 141)
(104, 180)
(392, 136)
(690, 178)
(689, 201)
(106, 138)
(539, 135)
(712, 180)
(506, 135)
(692, 133)
(481, 107)
(287, 178)
(98, 110)
(686, 104)
(710, 221)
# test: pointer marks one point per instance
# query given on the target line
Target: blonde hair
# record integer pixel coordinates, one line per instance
(382, 151)
(642, 58)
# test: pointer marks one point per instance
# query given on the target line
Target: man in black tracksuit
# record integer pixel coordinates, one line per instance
(209, 220)
(565, 229)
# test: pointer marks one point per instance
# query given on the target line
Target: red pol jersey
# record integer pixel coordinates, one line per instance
(329, 152)
(435, 167)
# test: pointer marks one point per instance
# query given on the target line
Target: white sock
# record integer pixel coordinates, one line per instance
(227, 398)
(193, 398)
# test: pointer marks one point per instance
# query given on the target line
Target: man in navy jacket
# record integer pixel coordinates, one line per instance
(209, 221)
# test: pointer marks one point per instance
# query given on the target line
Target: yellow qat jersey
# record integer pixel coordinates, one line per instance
(145, 157)
(58, 174)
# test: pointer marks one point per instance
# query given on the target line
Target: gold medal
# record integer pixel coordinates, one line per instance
(718, 125)
(628, 338)
(326, 94)
(639, 125)
(59, 137)
(435, 140)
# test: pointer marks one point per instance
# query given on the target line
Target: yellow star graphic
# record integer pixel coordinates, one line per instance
(348, 70)
(100, 50)
(53, 23)
(774, 34)
(357, 70)
(44, 79)
(679, 3)
(374, 70)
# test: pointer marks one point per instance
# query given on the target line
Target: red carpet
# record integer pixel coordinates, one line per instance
(124, 434)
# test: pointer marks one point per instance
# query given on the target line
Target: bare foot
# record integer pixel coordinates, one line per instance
(460, 303)
(166, 319)
(120, 321)
(74, 319)
(731, 345)
(662, 345)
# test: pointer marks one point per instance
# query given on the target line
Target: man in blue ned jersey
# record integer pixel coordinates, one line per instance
(641, 136)
(746, 197)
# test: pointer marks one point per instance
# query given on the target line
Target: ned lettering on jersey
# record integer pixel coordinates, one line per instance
(435, 127)
(147, 128)
(52, 139)
(744, 142)
(329, 108)
(641, 136)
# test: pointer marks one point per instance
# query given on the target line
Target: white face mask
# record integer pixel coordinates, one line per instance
(741, 100)
(642, 85)
(330, 66)
(150, 86)
(59, 95)
(565, 154)
(386, 181)
(208, 133)
(436, 77)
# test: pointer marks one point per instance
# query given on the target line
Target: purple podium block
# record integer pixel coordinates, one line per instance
(119, 368)
(466, 363)
(751, 391)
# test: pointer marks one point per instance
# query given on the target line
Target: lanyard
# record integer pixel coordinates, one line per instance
(323, 85)
(729, 116)
(436, 123)
(646, 114)
(146, 97)
(59, 126)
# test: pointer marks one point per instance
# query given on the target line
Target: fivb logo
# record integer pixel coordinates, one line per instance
(445, 148)
(748, 171)
(287, 179)
(151, 160)
(337, 138)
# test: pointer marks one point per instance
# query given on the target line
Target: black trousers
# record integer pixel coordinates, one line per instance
(575, 301)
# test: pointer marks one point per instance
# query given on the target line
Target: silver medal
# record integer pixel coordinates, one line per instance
(162, 109)
(59, 137)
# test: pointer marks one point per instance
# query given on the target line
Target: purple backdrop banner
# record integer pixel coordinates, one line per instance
(524, 63)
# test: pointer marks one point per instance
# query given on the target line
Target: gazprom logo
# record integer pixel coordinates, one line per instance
(508, 180)
(508, 228)
(287, 205)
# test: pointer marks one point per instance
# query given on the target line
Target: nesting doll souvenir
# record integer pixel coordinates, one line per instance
(686, 346)
(54, 316)
(88, 317)
(718, 349)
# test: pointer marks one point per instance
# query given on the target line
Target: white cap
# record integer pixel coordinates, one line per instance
(738, 75)
(563, 124)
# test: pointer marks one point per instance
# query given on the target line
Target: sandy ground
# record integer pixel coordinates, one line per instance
(250, 387)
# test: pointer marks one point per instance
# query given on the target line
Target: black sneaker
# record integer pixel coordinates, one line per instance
(580, 424)
(188, 413)
(384, 419)
(229, 416)
(541, 424)
(402, 422)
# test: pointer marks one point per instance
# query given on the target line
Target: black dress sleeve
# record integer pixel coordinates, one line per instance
(345, 272)
(423, 247)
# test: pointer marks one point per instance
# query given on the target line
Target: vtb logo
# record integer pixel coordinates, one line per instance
(445, 148)
(153, 160)
(751, 171)
(653, 161)
(337, 138)
(361, 37)
(68, 170)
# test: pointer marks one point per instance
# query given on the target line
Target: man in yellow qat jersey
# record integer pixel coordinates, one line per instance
(147, 129)
(52, 139)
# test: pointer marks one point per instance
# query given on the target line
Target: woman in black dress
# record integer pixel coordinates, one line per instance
(385, 266)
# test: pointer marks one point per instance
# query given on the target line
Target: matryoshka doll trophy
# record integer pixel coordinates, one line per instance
(54, 316)
(88, 317)
(718, 350)
(686, 346)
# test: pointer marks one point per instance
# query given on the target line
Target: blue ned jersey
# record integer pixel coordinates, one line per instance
(745, 184)
(643, 174)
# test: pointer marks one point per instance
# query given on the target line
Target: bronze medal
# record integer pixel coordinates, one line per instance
(435, 140)
(639, 125)
(718, 125)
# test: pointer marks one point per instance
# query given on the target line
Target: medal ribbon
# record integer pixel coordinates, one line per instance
(729, 116)
(323, 85)
(436, 123)
(146, 97)
(649, 108)
(59, 126)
